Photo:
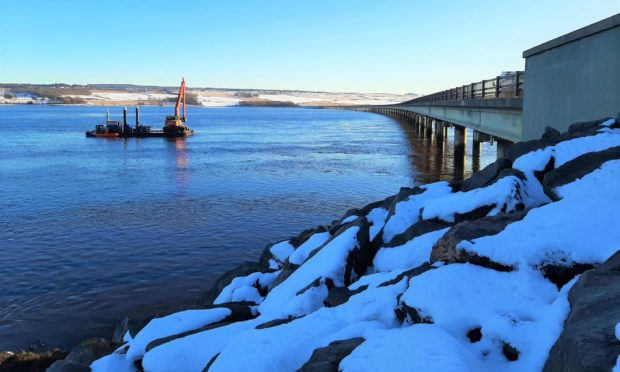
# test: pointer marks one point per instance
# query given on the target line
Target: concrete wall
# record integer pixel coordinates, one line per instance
(573, 78)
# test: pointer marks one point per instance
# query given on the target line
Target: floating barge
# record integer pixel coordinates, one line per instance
(174, 126)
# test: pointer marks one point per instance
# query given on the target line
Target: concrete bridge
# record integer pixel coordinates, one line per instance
(569, 79)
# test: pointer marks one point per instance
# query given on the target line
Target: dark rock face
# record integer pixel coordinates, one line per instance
(340, 295)
(577, 168)
(244, 269)
(29, 361)
(486, 176)
(588, 341)
(275, 323)
(403, 194)
(510, 352)
(409, 274)
(562, 274)
(445, 249)
(81, 356)
(131, 325)
(328, 358)
(415, 230)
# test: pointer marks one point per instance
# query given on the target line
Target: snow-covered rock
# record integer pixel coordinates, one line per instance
(471, 276)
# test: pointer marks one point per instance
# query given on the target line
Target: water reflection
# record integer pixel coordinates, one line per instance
(435, 157)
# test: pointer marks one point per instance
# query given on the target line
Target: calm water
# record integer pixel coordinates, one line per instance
(92, 230)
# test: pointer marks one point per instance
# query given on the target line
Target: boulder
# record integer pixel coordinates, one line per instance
(486, 176)
(29, 361)
(409, 274)
(576, 168)
(415, 230)
(588, 341)
(403, 194)
(131, 325)
(243, 269)
(81, 356)
(445, 248)
(340, 295)
(328, 358)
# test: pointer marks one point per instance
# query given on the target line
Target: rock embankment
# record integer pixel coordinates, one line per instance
(498, 272)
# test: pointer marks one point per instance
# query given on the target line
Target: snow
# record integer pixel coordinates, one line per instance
(409, 255)
(242, 288)
(406, 212)
(504, 194)
(287, 347)
(520, 308)
(302, 252)
(554, 234)
(376, 279)
(171, 325)
(282, 250)
(376, 218)
(421, 347)
(329, 262)
(350, 219)
(608, 122)
(192, 353)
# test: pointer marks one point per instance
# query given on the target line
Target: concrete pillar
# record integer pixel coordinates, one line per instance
(439, 131)
(460, 136)
(501, 146)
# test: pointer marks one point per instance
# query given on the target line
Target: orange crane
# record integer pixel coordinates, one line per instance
(174, 124)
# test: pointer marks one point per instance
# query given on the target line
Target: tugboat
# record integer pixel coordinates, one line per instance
(174, 126)
(111, 129)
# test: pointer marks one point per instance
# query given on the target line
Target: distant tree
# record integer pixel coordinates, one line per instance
(8, 96)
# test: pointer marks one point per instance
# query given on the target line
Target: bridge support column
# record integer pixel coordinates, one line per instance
(439, 129)
(460, 136)
(501, 146)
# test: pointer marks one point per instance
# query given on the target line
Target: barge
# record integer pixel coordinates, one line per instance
(174, 126)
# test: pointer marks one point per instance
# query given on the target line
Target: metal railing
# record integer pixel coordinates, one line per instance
(503, 86)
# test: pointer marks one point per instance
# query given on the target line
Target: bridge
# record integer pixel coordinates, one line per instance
(569, 79)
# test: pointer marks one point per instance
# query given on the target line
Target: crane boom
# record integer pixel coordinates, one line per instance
(181, 95)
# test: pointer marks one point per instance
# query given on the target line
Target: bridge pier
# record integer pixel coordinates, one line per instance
(460, 136)
(501, 146)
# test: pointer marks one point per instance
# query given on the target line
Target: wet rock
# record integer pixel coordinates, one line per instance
(474, 335)
(577, 168)
(81, 356)
(486, 176)
(328, 358)
(29, 361)
(588, 341)
(445, 248)
(243, 269)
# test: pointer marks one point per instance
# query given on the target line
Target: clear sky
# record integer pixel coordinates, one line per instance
(395, 46)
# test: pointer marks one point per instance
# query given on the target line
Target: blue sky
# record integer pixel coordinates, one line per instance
(338, 45)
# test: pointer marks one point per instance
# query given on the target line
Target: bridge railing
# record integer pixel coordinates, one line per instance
(503, 86)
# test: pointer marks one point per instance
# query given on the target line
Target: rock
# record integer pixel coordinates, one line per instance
(131, 325)
(486, 176)
(588, 341)
(403, 194)
(415, 230)
(287, 270)
(340, 295)
(81, 356)
(276, 322)
(577, 168)
(549, 138)
(206, 368)
(474, 335)
(240, 311)
(328, 358)
(29, 361)
(243, 269)
(301, 238)
(409, 274)
(510, 352)
(411, 315)
(360, 258)
(445, 248)
(564, 273)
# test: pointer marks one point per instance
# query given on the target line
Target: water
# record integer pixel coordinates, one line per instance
(92, 230)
